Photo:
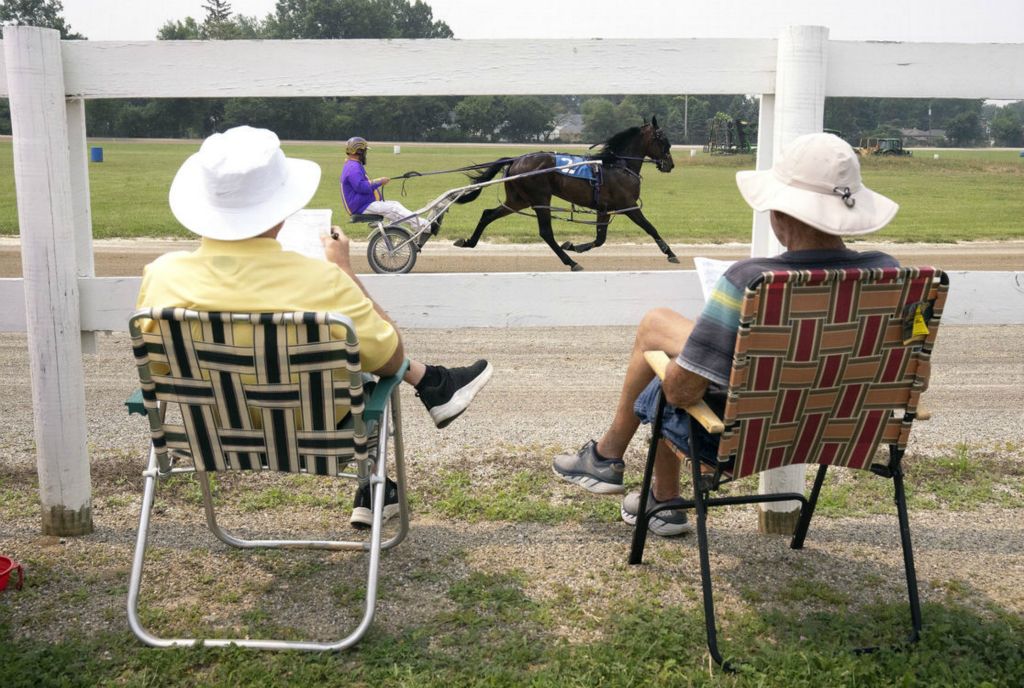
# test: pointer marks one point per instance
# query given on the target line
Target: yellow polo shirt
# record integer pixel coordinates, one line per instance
(257, 275)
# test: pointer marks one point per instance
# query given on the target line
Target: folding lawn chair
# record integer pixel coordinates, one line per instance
(277, 404)
(828, 365)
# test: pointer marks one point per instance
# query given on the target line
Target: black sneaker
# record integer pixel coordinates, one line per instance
(448, 399)
(362, 516)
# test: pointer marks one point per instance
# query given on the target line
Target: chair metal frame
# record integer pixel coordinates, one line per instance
(705, 483)
(380, 414)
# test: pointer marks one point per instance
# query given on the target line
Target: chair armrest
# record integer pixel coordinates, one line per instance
(382, 392)
(135, 403)
(700, 412)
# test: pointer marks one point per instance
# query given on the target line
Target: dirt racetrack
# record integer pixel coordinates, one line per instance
(122, 257)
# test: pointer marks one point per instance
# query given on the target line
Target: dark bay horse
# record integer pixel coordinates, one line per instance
(618, 192)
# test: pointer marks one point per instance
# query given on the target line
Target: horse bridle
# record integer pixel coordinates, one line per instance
(657, 135)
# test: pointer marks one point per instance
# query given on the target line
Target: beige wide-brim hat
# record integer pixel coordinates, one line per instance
(816, 179)
(240, 184)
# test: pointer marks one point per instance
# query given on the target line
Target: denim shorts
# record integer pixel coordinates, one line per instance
(675, 424)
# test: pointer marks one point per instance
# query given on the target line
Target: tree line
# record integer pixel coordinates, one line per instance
(686, 118)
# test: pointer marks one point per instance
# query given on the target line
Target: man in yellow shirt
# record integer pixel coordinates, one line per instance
(236, 193)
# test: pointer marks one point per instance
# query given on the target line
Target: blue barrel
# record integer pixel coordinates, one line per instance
(96, 154)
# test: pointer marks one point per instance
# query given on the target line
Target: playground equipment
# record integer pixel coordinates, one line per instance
(728, 137)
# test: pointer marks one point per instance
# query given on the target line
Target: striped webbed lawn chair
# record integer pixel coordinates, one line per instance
(828, 366)
(291, 401)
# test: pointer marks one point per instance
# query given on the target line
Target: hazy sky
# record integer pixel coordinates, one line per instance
(980, 21)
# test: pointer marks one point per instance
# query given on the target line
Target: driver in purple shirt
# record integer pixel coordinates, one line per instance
(360, 194)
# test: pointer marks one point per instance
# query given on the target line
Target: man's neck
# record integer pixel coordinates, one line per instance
(805, 238)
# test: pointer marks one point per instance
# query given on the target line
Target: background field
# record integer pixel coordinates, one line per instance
(963, 195)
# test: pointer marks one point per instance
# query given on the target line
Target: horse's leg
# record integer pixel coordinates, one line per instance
(638, 217)
(599, 237)
(548, 235)
(486, 218)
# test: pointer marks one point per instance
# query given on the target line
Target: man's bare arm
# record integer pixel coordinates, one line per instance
(336, 248)
(683, 387)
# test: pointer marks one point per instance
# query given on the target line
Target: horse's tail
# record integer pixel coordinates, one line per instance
(485, 175)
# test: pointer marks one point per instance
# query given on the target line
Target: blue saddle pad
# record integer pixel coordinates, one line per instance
(581, 172)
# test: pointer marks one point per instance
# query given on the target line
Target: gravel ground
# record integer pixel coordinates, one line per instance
(552, 390)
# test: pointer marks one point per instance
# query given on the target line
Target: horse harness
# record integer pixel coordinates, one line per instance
(595, 184)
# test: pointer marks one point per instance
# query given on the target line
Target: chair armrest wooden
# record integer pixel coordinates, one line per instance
(700, 412)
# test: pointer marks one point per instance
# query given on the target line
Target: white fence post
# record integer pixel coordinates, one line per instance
(762, 240)
(78, 161)
(35, 81)
(799, 108)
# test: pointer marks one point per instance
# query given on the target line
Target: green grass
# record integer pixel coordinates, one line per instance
(963, 481)
(523, 498)
(964, 195)
(495, 635)
(493, 624)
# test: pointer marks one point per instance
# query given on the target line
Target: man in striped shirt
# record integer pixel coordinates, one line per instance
(816, 197)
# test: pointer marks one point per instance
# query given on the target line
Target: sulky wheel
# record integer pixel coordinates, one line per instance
(391, 251)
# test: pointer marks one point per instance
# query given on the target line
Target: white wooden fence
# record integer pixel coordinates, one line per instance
(47, 81)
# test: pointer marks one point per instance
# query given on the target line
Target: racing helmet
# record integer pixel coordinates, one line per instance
(355, 145)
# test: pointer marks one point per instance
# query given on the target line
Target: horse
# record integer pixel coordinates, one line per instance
(617, 192)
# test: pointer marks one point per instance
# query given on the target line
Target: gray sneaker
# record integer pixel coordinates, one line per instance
(665, 523)
(603, 476)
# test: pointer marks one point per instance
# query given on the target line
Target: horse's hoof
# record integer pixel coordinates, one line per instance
(673, 259)
(461, 243)
(576, 267)
(567, 246)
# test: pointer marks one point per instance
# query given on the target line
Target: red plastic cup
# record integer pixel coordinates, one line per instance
(8, 566)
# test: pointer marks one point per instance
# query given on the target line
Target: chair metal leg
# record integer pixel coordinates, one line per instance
(705, 565)
(800, 532)
(908, 555)
(135, 582)
(636, 552)
(399, 441)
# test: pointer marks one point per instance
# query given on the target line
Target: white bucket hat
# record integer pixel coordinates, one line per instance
(240, 185)
(817, 180)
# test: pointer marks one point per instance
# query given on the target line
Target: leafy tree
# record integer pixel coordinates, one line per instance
(964, 129)
(217, 10)
(232, 28)
(354, 19)
(599, 120)
(527, 118)
(184, 30)
(1008, 127)
(44, 13)
(602, 117)
(479, 117)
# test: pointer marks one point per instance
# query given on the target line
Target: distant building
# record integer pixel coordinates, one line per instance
(568, 129)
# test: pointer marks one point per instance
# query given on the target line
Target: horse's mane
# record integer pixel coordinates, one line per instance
(612, 148)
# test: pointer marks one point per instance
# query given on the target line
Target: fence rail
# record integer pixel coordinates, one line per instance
(167, 69)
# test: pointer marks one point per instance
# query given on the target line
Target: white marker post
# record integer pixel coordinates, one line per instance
(797, 108)
(46, 221)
